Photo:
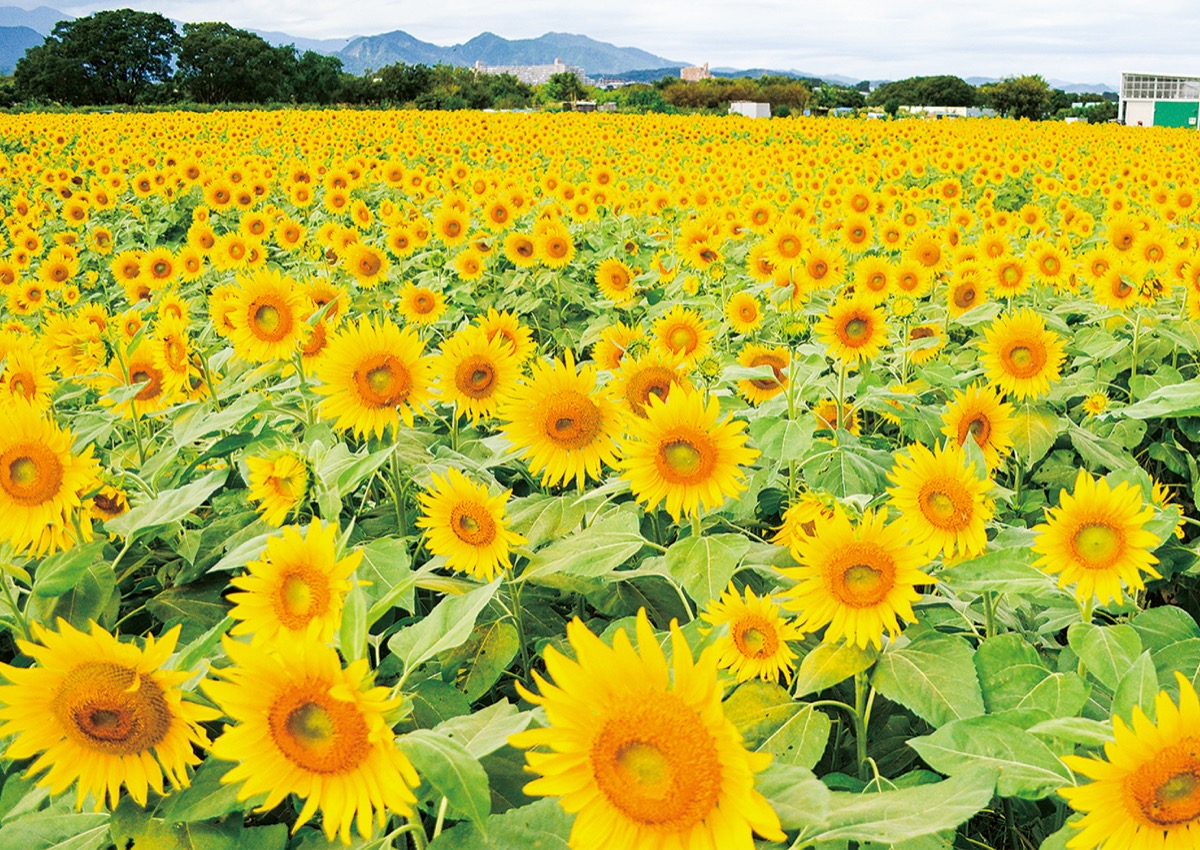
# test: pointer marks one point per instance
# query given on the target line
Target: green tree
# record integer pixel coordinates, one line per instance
(943, 90)
(219, 63)
(116, 56)
(1020, 97)
(316, 78)
(565, 86)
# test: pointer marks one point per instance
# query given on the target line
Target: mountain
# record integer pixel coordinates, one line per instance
(1076, 88)
(40, 20)
(328, 46)
(595, 57)
(14, 41)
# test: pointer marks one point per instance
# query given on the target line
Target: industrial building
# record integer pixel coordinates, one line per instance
(1157, 100)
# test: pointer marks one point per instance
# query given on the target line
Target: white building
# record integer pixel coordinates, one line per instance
(750, 109)
(1156, 100)
(533, 75)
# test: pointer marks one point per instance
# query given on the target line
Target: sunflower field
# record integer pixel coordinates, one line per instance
(474, 481)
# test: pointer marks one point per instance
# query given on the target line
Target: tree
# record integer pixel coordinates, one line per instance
(565, 86)
(316, 78)
(943, 90)
(1020, 97)
(117, 56)
(219, 63)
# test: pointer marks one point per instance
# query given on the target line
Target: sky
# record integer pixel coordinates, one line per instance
(1072, 40)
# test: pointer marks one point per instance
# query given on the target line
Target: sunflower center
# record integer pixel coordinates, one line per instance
(857, 329)
(303, 596)
(148, 375)
(383, 381)
(30, 473)
(1097, 545)
(1025, 360)
(862, 574)
(686, 458)
(110, 709)
(422, 303)
(572, 420)
(472, 524)
(965, 295)
(176, 354)
(476, 377)
(270, 319)
(656, 762)
(1166, 789)
(789, 246)
(945, 505)
(754, 637)
(317, 732)
(682, 339)
(652, 380)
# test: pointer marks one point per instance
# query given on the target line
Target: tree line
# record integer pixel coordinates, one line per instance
(140, 58)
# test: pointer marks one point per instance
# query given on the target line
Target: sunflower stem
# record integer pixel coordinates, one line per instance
(420, 839)
(989, 614)
(398, 497)
(18, 614)
(208, 381)
(514, 594)
(696, 528)
(441, 816)
(1137, 334)
(861, 709)
(841, 403)
(1014, 838)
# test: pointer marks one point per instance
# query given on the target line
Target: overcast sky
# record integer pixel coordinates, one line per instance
(1082, 41)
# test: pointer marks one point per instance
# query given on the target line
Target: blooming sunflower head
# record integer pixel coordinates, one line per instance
(652, 374)
(1020, 355)
(476, 373)
(942, 500)
(641, 750)
(755, 642)
(467, 526)
(854, 330)
(979, 414)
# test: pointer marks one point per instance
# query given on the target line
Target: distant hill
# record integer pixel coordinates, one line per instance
(595, 57)
(14, 41)
(1077, 88)
(41, 20)
(327, 46)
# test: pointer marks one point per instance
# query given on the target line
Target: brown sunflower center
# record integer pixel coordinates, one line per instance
(423, 303)
(652, 380)
(686, 457)
(303, 595)
(316, 732)
(151, 376)
(777, 381)
(1097, 545)
(788, 246)
(176, 353)
(23, 384)
(655, 761)
(1166, 789)
(269, 318)
(383, 381)
(946, 505)
(965, 295)
(472, 524)
(111, 709)
(31, 473)
(476, 377)
(754, 637)
(571, 420)
(862, 574)
(682, 339)
(1025, 359)
(857, 330)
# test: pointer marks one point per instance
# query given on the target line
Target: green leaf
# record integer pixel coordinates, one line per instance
(199, 607)
(1183, 656)
(704, 565)
(799, 799)
(934, 676)
(1108, 651)
(450, 770)
(1034, 430)
(541, 518)
(1059, 694)
(87, 600)
(846, 469)
(488, 729)
(1075, 730)
(540, 826)
(801, 739)
(1160, 627)
(201, 420)
(445, 627)
(1138, 688)
(169, 506)
(1009, 669)
(206, 797)
(596, 550)
(386, 577)
(758, 708)
(1000, 571)
(1026, 767)
(1098, 452)
(51, 831)
(483, 657)
(60, 572)
(830, 663)
(891, 817)
(1171, 401)
(352, 634)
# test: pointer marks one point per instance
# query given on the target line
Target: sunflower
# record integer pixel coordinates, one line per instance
(100, 714)
(1117, 288)
(520, 249)
(476, 373)
(683, 332)
(615, 280)
(367, 264)
(508, 327)
(1145, 793)
(1097, 539)
(853, 330)
(828, 418)
(297, 587)
(942, 501)
(873, 279)
(267, 317)
(857, 580)
(467, 526)
(420, 305)
(801, 518)
(758, 390)
(278, 483)
(1020, 355)
(555, 249)
(1095, 403)
(304, 725)
(615, 341)
(978, 413)
(562, 426)
(109, 502)
(743, 312)
(966, 292)
(469, 264)
(25, 376)
(41, 481)
(639, 378)
(372, 376)
(642, 752)
(755, 646)
(681, 455)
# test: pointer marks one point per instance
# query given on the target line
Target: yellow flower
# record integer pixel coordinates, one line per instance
(476, 373)
(278, 483)
(942, 501)
(642, 752)
(853, 330)
(467, 526)
(978, 414)
(100, 714)
(758, 390)
(267, 317)
(755, 645)
(1020, 355)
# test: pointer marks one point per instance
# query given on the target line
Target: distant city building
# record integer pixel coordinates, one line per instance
(1157, 100)
(695, 73)
(534, 75)
(750, 109)
(579, 106)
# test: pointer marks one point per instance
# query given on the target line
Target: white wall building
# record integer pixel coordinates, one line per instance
(533, 75)
(1157, 100)
(750, 109)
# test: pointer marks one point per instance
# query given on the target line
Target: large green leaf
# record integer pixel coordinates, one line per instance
(450, 770)
(830, 663)
(934, 676)
(55, 831)
(1000, 571)
(799, 799)
(540, 826)
(1009, 669)
(1161, 627)
(704, 565)
(386, 577)
(488, 729)
(1034, 430)
(541, 518)
(206, 797)
(169, 506)
(592, 552)
(479, 662)
(60, 572)
(1138, 688)
(448, 625)
(801, 739)
(1169, 402)
(1108, 651)
(1025, 766)
(846, 469)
